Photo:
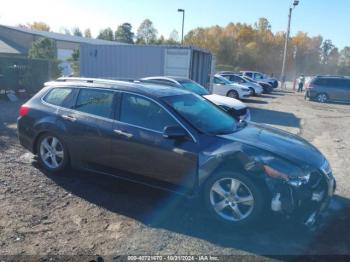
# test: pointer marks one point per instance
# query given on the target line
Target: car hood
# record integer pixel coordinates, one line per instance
(226, 101)
(278, 142)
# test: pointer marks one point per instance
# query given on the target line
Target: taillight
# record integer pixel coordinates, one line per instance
(310, 85)
(23, 110)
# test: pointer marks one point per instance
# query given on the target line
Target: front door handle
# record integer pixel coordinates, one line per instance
(69, 118)
(122, 133)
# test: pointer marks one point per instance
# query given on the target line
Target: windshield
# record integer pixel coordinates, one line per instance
(202, 114)
(223, 80)
(194, 87)
(249, 79)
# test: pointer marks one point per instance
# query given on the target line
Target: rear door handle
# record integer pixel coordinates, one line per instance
(69, 118)
(122, 133)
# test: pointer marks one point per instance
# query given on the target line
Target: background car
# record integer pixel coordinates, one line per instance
(255, 88)
(267, 88)
(233, 106)
(328, 88)
(260, 77)
(224, 87)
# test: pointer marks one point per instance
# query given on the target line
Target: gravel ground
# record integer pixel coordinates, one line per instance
(88, 214)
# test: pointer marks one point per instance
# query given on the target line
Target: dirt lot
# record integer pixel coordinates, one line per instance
(81, 213)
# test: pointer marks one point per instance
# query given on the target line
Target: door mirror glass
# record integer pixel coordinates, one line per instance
(174, 132)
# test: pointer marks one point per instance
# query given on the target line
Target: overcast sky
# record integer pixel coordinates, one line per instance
(330, 19)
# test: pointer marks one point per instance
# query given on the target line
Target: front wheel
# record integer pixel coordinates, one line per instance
(233, 199)
(252, 91)
(233, 94)
(52, 153)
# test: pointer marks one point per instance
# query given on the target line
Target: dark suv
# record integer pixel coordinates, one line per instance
(328, 88)
(175, 140)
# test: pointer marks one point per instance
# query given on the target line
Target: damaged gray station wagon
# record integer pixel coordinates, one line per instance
(172, 139)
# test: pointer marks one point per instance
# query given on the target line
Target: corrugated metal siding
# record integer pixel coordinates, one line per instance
(136, 61)
(201, 67)
(121, 61)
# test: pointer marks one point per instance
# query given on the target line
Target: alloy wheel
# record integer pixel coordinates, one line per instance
(322, 98)
(231, 199)
(51, 152)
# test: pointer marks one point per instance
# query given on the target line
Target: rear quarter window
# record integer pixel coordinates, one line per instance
(57, 96)
(321, 81)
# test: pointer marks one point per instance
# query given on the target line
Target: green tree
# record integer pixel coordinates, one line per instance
(124, 34)
(106, 34)
(327, 47)
(76, 31)
(344, 61)
(45, 48)
(74, 62)
(146, 33)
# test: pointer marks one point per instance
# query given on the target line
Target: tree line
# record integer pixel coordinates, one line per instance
(239, 46)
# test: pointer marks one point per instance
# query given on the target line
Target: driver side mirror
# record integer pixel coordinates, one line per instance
(174, 132)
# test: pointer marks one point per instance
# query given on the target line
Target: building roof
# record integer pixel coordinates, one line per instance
(7, 47)
(63, 37)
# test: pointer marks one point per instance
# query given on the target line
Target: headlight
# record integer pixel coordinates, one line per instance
(326, 167)
(280, 169)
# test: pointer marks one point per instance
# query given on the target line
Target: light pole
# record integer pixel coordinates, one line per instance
(183, 23)
(283, 77)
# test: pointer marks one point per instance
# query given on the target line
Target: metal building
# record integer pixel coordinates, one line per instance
(136, 61)
(16, 41)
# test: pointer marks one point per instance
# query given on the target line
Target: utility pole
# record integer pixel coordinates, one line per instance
(183, 23)
(283, 73)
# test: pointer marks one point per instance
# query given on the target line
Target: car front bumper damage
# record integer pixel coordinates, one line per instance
(305, 203)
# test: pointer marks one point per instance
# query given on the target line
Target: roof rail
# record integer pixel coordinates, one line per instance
(94, 80)
(340, 76)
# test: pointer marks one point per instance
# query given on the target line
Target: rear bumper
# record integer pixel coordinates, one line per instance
(309, 93)
(24, 135)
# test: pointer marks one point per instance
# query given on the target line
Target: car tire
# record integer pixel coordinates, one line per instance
(252, 91)
(322, 98)
(233, 94)
(216, 190)
(52, 153)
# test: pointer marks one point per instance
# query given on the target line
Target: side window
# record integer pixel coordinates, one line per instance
(321, 81)
(258, 76)
(228, 77)
(58, 96)
(249, 74)
(142, 112)
(218, 81)
(347, 83)
(96, 102)
(342, 83)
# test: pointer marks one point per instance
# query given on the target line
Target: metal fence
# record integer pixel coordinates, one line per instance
(22, 73)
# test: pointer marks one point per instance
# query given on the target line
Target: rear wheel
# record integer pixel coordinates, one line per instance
(233, 94)
(322, 98)
(233, 199)
(52, 153)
